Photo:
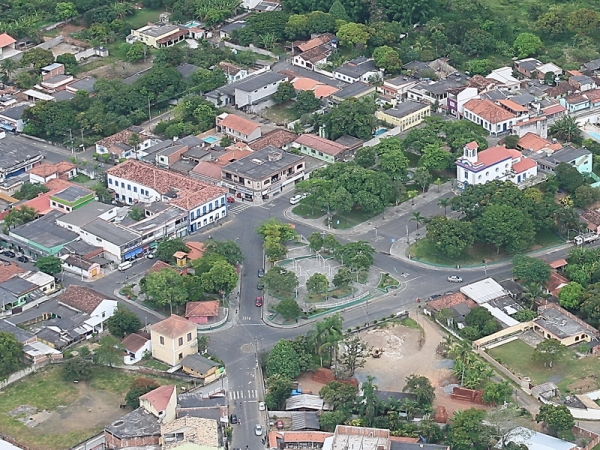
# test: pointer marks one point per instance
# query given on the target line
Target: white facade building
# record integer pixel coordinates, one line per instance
(495, 163)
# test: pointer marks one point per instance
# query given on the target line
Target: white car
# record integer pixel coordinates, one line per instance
(258, 429)
(296, 199)
(454, 279)
(261, 406)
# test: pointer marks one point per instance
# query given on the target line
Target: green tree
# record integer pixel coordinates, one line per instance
(78, 369)
(315, 241)
(102, 194)
(330, 243)
(280, 280)
(330, 419)
(549, 351)
(136, 213)
(139, 387)
(527, 44)
(365, 157)
(568, 177)
(355, 255)
(136, 52)
(388, 59)
(279, 389)
(8, 67)
(306, 102)
(530, 270)
(566, 129)
(370, 404)
(393, 162)
(585, 195)
(221, 278)
(434, 157)
(65, 11)
(354, 117)
(123, 322)
(317, 284)
(584, 21)
(354, 354)
(352, 34)
(288, 309)
(48, 264)
(417, 217)
(122, 9)
(468, 431)
(296, 26)
(444, 202)
(37, 57)
(229, 250)
(497, 393)
(570, 296)
(168, 247)
(19, 216)
(108, 352)
(11, 351)
(338, 11)
(525, 315)
(283, 360)
(511, 141)
(69, 61)
(339, 395)
(422, 177)
(285, 92)
(557, 418)
(505, 227)
(450, 237)
(326, 332)
(166, 287)
(422, 388)
(343, 277)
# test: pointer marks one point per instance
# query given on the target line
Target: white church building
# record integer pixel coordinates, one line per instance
(495, 163)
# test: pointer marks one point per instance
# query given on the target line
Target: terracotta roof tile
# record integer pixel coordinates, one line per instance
(489, 111)
(173, 326)
(202, 309)
(240, 124)
(133, 342)
(324, 91)
(9, 270)
(229, 68)
(591, 217)
(450, 300)
(531, 141)
(158, 266)
(315, 42)
(159, 397)
(554, 109)
(555, 283)
(513, 106)
(321, 144)
(118, 138)
(472, 145)
(196, 250)
(208, 169)
(305, 84)
(82, 298)
(58, 184)
(6, 40)
(557, 264)
(315, 54)
(524, 164)
(45, 170)
(277, 138)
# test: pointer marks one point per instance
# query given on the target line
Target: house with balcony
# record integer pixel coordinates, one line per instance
(238, 128)
(54, 77)
(266, 172)
(232, 72)
(119, 145)
(119, 243)
(42, 173)
(248, 92)
(173, 339)
(98, 306)
(397, 87)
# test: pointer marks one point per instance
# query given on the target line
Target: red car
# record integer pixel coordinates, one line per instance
(230, 199)
(259, 301)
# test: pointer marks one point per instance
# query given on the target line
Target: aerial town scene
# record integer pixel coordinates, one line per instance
(299, 225)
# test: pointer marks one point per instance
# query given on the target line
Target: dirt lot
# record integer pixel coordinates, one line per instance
(405, 353)
(115, 69)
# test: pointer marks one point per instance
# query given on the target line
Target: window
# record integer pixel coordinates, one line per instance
(216, 204)
(135, 189)
(180, 341)
(222, 201)
(189, 337)
(162, 340)
(204, 209)
(128, 187)
(180, 356)
(193, 215)
(110, 181)
(103, 314)
(122, 185)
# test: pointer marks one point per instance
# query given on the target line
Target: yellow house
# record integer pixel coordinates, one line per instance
(197, 365)
(158, 36)
(556, 323)
(161, 402)
(173, 339)
(404, 115)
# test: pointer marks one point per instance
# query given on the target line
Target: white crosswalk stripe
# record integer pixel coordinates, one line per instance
(243, 395)
(239, 208)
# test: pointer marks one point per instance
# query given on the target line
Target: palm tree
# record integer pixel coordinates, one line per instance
(122, 9)
(566, 129)
(370, 402)
(326, 334)
(422, 44)
(8, 67)
(418, 218)
(268, 40)
(444, 203)
(435, 24)
(533, 292)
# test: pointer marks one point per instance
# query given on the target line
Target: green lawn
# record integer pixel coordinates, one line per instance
(282, 114)
(518, 357)
(387, 281)
(81, 179)
(307, 211)
(154, 364)
(345, 220)
(339, 292)
(141, 17)
(424, 251)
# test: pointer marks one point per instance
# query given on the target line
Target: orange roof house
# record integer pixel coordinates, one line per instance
(196, 250)
(199, 312)
(161, 402)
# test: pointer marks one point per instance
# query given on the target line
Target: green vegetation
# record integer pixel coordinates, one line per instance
(282, 114)
(387, 281)
(307, 211)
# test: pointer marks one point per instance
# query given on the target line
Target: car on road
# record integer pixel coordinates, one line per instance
(260, 285)
(258, 429)
(454, 279)
(234, 419)
(261, 406)
(296, 198)
(150, 255)
(261, 273)
(23, 259)
(258, 301)
(9, 253)
(434, 296)
(230, 199)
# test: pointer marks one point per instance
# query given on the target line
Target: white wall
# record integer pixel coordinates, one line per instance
(243, 98)
(127, 190)
(147, 347)
(111, 251)
(105, 310)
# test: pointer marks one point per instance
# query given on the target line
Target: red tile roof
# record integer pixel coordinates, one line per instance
(133, 342)
(239, 124)
(45, 170)
(450, 300)
(6, 40)
(489, 111)
(315, 42)
(591, 217)
(316, 54)
(158, 266)
(277, 138)
(58, 184)
(122, 137)
(321, 144)
(324, 90)
(556, 283)
(173, 327)
(491, 156)
(202, 309)
(305, 84)
(191, 193)
(82, 298)
(557, 264)
(196, 250)
(159, 397)
(9, 270)
(531, 141)
(524, 164)
(513, 106)
(209, 169)
(554, 109)
(472, 145)
(229, 69)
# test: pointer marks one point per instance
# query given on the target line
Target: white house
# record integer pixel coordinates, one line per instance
(80, 266)
(135, 181)
(503, 75)
(119, 145)
(458, 98)
(238, 128)
(135, 346)
(358, 69)
(495, 163)
(490, 116)
(119, 243)
(98, 306)
(233, 72)
(252, 91)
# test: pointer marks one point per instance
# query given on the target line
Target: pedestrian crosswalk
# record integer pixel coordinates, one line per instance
(248, 394)
(238, 208)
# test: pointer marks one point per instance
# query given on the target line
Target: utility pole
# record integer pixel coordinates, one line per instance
(149, 113)
(71, 137)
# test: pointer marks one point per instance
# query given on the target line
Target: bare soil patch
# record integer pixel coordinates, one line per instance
(116, 69)
(307, 383)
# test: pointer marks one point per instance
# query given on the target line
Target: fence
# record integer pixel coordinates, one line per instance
(14, 377)
(595, 438)
(323, 72)
(500, 368)
(214, 325)
(252, 48)
(51, 43)
(343, 302)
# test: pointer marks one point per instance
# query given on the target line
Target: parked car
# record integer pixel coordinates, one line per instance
(261, 406)
(260, 285)
(261, 273)
(258, 429)
(295, 199)
(454, 279)
(150, 255)
(9, 254)
(23, 259)
(259, 301)
(234, 419)
(279, 424)
(230, 199)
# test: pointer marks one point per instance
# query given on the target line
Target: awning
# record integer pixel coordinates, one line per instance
(133, 253)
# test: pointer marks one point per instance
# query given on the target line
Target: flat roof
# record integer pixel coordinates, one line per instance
(483, 291)
(353, 89)
(18, 286)
(85, 84)
(14, 152)
(137, 423)
(156, 220)
(85, 214)
(17, 332)
(559, 324)
(45, 232)
(16, 112)
(110, 232)
(257, 166)
(405, 108)
(72, 193)
(158, 30)
(252, 83)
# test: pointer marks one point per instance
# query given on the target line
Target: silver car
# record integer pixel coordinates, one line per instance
(258, 429)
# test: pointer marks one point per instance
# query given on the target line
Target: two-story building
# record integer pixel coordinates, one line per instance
(495, 119)
(134, 181)
(248, 92)
(404, 115)
(580, 158)
(232, 72)
(158, 35)
(71, 198)
(238, 128)
(355, 90)
(265, 172)
(173, 339)
(11, 119)
(122, 145)
(42, 173)
(358, 69)
(119, 243)
(54, 77)
(16, 156)
(321, 148)
(42, 236)
(397, 87)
